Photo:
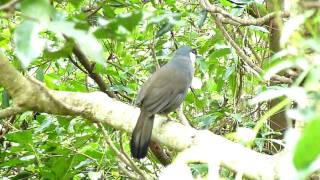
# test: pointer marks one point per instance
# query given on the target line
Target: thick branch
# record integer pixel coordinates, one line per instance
(98, 107)
(29, 94)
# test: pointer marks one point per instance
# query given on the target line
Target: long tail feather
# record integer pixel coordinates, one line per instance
(141, 135)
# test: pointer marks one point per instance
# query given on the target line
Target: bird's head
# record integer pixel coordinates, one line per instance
(187, 51)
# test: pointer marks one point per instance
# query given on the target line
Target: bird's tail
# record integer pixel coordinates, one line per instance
(141, 135)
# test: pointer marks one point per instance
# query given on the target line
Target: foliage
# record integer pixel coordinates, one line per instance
(119, 37)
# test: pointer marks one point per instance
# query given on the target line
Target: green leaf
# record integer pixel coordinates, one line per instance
(23, 175)
(108, 11)
(36, 9)
(40, 74)
(166, 27)
(171, 2)
(21, 137)
(232, 83)
(52, 81)
(207, 120)
(198, 169)
(226, 3)
(15, 162)
(130, 21)
(44, 125)
(311, 83)
(122, 88)
(203, 66)
(5, 99)
(91, 150)
(261, 8)
(27, 41)
(89, 45)
(76, 3)
(308, 147)
(80, 161)
(203, 17)
(61, 53)
(219, 53)
(61, 166)
(28, 157)
(230, 70)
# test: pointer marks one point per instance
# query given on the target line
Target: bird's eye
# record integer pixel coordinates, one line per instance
(194, 51)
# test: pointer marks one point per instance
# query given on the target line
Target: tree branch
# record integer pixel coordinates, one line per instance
(243, 56)
(89, 68)
(239, 20)
(98, 107)
(9, 5)
(120, 155)
(10, 111)
(310, 4)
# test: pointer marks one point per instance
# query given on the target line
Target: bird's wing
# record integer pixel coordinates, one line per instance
(153, 82)
(158, 93)
(175, 102)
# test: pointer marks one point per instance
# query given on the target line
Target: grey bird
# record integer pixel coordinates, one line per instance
(162, 93)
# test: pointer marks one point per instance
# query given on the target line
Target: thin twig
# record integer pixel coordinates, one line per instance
(122, 157)
(77, 65)
(8, 5)
(239, 51)
(90, 69)
(123, 152)
(153, 53)
(132, 76)
(80, 153)
(126, 171)
(251, 48)
(6, 125)
(243, 56)
(174, 40)
(240, 20)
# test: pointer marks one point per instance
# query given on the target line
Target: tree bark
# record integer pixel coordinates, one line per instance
(277, 121)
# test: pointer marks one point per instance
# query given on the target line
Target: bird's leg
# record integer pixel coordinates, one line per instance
(182, 117)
